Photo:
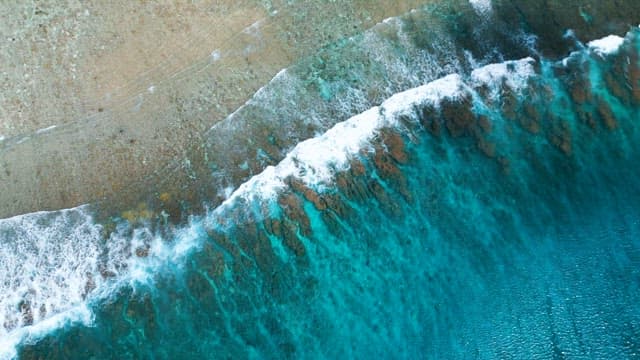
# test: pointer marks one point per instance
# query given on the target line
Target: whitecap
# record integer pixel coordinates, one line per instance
(316, 160)
(607, 45)
(482, 7)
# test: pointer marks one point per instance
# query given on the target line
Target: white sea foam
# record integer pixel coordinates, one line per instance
(260, 94)
(40, 264)
(607, 45)
(23, 139)
(79, 314)
(48, 263)
(316, 160)
(135, 270)
(513, 73)
(482, 7)
(49, 128)
(56, 261)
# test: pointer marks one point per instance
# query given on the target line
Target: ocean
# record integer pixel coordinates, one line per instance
(404, 193)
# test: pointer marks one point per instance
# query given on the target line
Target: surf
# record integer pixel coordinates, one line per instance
(302, 192)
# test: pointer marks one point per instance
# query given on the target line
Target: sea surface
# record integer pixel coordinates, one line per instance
(418, 195)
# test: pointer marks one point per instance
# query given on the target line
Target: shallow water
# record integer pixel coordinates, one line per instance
(478, 211)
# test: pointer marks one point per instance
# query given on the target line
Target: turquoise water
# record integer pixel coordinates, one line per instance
(504, 223)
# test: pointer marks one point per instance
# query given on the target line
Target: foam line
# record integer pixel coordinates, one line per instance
(39, 249)
(315, 161)
(44, 278)
(47, 259)
(607, 45)
(482, 7)
(42, 267)
(80, 314)
(514, 73)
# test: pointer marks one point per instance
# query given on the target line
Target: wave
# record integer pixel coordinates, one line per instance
(607, 45)
(344, 79)
(483, 7)
(57, 265)
(49, 262)
(316, 160)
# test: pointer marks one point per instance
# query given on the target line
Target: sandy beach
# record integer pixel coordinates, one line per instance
(104, 102)
(99, 97)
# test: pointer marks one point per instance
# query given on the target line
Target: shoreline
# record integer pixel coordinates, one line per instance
(121, 147)
(142, 155)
